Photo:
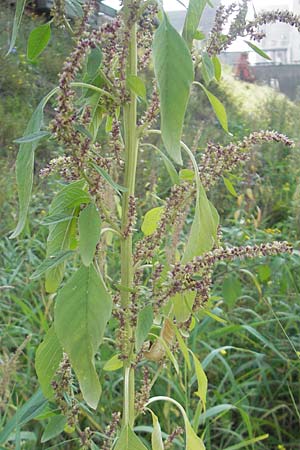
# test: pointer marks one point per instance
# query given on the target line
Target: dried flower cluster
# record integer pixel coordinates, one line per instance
(219, 41)
(216, 159)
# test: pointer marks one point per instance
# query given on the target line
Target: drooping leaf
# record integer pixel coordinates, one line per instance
(20, 5)
(217, 67)
(156, 436)
(86, 301)
(38, 41)
(207, 68)
(151, 220)
(192, 19)
(89, 233)
(201, 380)
(113, 363)
(174, 73)
(51, 262)
(258, 50)
(61, 234)
(144, 324)
(54, 427)
(48, 356)
(25, 162)
(204, 228)
(128, 440)
(117, 187)
(38, 135)
(137, 85)
(230, 187)
(31, 409)
(93, 62)
(218, 107)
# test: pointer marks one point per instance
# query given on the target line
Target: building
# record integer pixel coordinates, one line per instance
(282, 42)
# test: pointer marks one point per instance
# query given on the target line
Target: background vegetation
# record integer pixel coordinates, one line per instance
(249, 343)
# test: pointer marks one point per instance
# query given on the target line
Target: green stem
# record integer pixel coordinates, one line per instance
(131, 151)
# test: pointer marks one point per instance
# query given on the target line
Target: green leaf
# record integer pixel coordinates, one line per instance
(89, 223)
(183, 348)
(151, 220)
(108, 178)
(25, 162)
(247, 442)
(48, 356)
(50, 263)
(137, 85)
(199, 36)
(187, 175)
(182, 305)
(144, 324)
(32, 137)
(231, 290)
(201, 380)
(156, 437)
(207, 68)
(94, 62)
(61, 234)
(20, 5)
(192, 19)
(38, 41)
(230, 187)
(203, 234)
(174, 73)
(258, 50)
(54, 427)
(113, 363)
(84, 300)
(31, 409)
(217, 67)
(218, 107)
(128, 440)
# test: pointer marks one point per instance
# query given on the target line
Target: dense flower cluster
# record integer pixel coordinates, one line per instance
(217, 159)
(219, 41)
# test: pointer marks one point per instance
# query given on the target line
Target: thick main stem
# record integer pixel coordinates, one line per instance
(131, 150)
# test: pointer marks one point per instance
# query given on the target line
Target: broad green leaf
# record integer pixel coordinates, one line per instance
(201, 380)
(231, 290)
(54, 427)
(144, 324)
(83, 308)
(192, 19)
(20, 5)
(218, 107)
(31, 409)
(230, 187)
(25, 162)
(94, 62)
(217, 67)
(156, 437)
(89, 223)
(108, 178)
(207, 68)
(199, 36)
(203, 234)
(151, 220)
(113, 363)
(258, 50)
(51, 262)
(32, 137)
(61, 234)
(48, 356)
(128, 440)
(55, 218)
(137, 86)
(38, 41)
(187, 175)
(174, 72)
(108, 124)
(182, 305)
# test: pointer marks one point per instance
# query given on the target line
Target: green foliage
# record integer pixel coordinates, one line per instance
(38, 41)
